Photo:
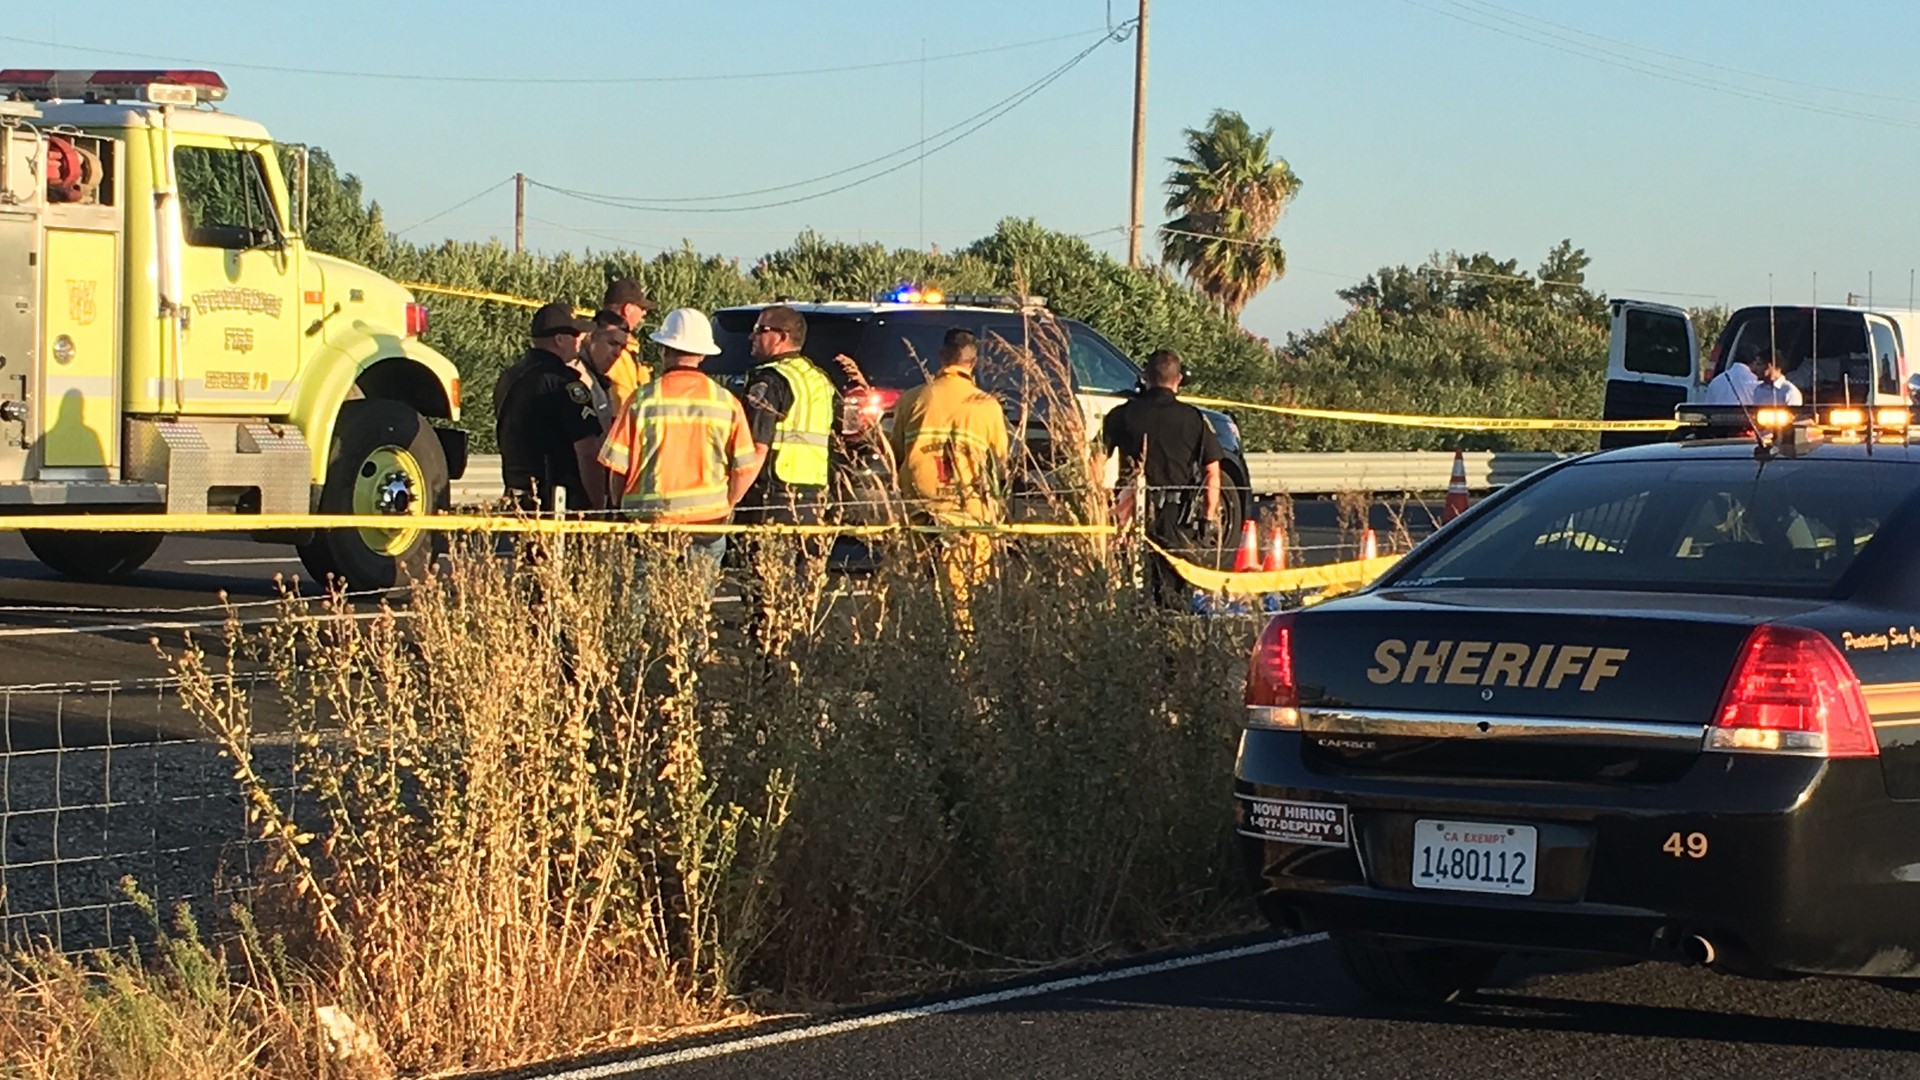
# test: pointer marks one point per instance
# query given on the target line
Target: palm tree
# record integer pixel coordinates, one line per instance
(1225, 197)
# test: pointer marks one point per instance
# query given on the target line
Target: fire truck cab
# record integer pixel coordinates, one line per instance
(169, 344)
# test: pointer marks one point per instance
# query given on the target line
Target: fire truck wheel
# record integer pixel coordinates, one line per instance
(92, 556)
(386, 461)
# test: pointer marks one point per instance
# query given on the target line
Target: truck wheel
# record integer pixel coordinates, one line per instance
(1427, 975)
(385, 460)
(92, 556)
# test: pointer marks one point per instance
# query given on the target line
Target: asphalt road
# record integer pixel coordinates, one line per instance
(1290, 1013)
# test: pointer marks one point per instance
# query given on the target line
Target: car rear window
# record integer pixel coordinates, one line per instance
(827, 335)
(1824, 353)
(1730, 526)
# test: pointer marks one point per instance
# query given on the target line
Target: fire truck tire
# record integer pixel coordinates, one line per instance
(92, 556)
(385, 460)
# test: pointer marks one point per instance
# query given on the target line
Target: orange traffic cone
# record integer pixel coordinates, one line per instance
(1369, 547)
(1247, 559)
(1456, 490)
(1276, 551)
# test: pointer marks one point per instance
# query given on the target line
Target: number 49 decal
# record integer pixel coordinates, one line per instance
(1691, 845)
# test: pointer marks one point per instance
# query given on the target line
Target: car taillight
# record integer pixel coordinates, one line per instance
(1792, 692)
(866, 407)
(1273, 698)
(875, 404)
(416, 319)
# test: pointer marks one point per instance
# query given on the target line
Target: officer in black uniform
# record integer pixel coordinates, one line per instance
(1174, 446)
(544, 420)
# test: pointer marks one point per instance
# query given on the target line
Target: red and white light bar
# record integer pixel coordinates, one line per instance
(161, 87)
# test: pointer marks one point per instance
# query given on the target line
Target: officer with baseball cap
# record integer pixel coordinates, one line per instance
(544, 419)
(626, 298)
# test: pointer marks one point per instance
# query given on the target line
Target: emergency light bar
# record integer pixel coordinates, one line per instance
(914, 294)
(171, 87)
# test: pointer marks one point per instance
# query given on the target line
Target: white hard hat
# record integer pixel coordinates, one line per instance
(687, 330)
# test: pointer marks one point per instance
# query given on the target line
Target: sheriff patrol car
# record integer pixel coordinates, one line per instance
(1660, 702)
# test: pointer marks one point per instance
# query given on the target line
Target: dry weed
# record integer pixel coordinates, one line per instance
(566, 801)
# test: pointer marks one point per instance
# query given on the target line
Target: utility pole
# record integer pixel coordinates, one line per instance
(1139, 138)
(519, 212)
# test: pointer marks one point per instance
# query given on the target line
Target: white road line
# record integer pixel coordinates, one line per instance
(271, 561)
(204, 624)
(919, 1012)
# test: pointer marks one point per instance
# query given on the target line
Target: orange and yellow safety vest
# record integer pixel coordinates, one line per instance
(676, 443)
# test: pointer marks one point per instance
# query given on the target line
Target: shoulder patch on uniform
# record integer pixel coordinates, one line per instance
(757, 393)
(579, 393)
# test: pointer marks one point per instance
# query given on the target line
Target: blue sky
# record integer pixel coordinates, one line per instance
(1694, 147)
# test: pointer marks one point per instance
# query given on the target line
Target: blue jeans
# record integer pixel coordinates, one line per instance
(706, 551)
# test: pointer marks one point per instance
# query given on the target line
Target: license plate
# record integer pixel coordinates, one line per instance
(1474, 856)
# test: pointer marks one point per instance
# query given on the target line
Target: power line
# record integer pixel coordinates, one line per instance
(1693, 61)
(1613, 58)
(456, 206)
(624, 201)
(598, 235)
(977, 122)
(521, 80)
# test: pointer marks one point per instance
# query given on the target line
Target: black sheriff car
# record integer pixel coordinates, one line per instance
(1656, 703)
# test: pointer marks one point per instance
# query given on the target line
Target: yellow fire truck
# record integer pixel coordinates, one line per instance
(168, 343)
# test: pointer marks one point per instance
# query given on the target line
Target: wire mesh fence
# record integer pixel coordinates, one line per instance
(105, 782)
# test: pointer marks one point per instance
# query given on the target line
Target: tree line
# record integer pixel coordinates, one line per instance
(1459, 334)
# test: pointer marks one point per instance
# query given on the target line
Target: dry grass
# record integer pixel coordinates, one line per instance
(180, 1011)
(564, 805)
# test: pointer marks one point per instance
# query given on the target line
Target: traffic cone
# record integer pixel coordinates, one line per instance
(1369, 547)
(1276, 551)
(1247, 559)
(1456, 490)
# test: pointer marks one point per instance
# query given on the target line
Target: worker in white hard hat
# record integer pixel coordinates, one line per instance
(682, 451)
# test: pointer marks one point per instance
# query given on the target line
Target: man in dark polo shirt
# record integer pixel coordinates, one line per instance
(544, 420)
(1170, 444)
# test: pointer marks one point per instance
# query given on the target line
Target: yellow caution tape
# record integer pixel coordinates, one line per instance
(1334, 577)
(500, 523)
(477, 294)
(1449, 423)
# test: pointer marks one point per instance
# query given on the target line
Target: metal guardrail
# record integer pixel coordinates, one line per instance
(1293, 473)
(1327, 473)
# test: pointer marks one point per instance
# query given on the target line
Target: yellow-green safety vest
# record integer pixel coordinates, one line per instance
(801, 439)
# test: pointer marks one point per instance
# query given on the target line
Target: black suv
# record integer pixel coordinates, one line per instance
(896, 346)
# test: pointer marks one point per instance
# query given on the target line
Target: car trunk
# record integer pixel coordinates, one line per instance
(1518, 684)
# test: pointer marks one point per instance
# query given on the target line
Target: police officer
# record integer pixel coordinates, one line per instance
(792, 407)
(1171, 446)
(628, 300)
(544, 420)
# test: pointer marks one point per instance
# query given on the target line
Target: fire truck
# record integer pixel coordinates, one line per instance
(168, 344)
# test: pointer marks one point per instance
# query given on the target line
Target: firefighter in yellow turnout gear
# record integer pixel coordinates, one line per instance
(950, 440)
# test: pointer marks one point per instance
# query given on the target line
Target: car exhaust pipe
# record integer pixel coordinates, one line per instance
(1698, 950)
